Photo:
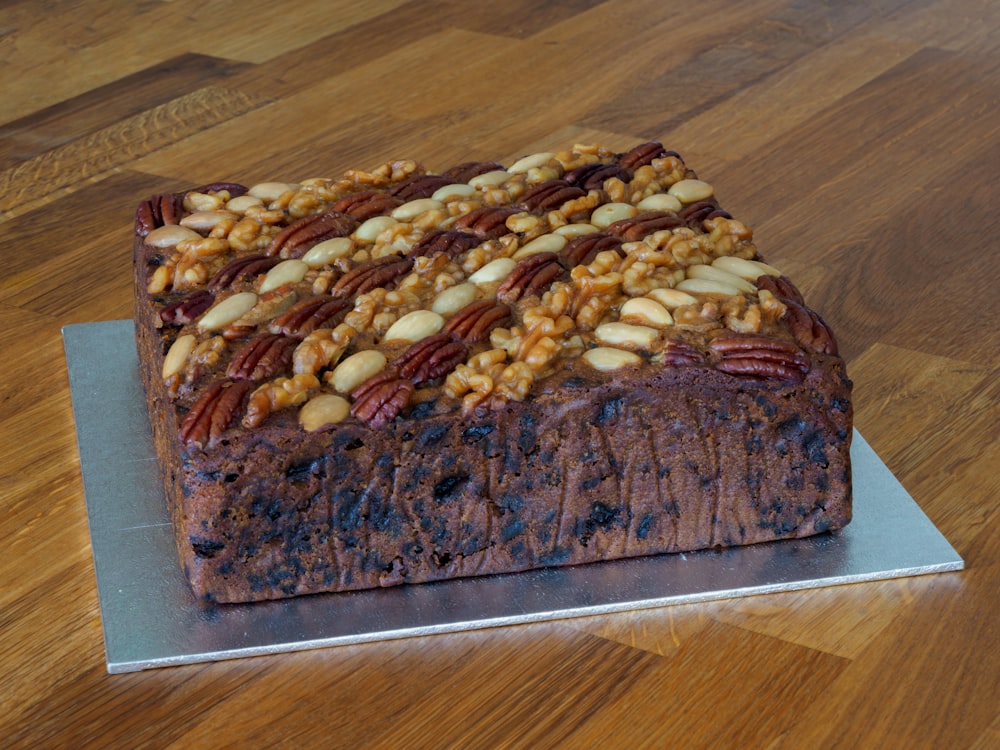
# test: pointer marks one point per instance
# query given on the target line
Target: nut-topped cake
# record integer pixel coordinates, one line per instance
(400, 375)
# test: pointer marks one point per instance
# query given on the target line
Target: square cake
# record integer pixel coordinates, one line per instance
(400, 375)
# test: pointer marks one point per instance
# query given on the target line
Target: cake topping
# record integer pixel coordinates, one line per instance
(466, 286)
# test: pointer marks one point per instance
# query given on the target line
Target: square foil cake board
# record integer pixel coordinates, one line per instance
(151, 619)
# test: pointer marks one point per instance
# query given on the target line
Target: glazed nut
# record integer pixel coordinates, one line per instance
(356, 369)
(606, 358)
(373, 227)
(671, 298)
(455, 190)
(270, 191)
(205, 221)
(626, 335)
(751, 270)
(609, 213)
(415, 326)
(241, 203)
(532, 161)
(645, 311)
(547, 243)
(691, 191)
(495, 270)
(228, 310)
(178, 354)
(490, 179)
(286, 272)
(169, 235)
(708, 286)
(323, 410)
(413, 209)
(454, 298)
(660, 202)
(327, 251)
(713, 273)
(572, 231)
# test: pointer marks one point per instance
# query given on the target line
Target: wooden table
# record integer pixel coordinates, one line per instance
(860, 140)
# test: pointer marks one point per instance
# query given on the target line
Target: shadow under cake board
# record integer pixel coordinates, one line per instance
(151, 619)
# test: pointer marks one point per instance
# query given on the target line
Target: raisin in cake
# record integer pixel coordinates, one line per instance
(402, 375)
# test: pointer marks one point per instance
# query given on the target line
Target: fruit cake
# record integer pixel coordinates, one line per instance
(401, 375)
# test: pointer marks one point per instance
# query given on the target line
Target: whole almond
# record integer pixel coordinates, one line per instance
(322, 410)
(356, 369)
(606, 358)
(225, 312)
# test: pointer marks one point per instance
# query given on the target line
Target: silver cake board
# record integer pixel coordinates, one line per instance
(151, 619)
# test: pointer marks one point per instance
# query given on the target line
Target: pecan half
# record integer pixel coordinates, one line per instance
(644, 154)
(489, 222)
(433, 357)
(295, 240)
(467, 170)
(233, 188)
(157, 211)
(242, 268)
(215, 410)
(419, 186)
(678, 353)
(696, 214)
(582, 250)
(474, 322)
(549, 195)
(366, 204)
(450, 242)
(187, 308)
(531, 276)
(304, 317)
(262, 357)
(781, 287)
(808, 328)
(378, 272)
(760, 357)
(592, 176)
(630, 230)
(381, 398)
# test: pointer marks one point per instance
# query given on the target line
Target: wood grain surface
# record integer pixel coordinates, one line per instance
(859, 139)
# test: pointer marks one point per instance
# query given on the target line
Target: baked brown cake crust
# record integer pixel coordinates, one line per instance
(401, 376)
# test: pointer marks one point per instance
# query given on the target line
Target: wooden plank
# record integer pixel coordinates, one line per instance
(106, 105)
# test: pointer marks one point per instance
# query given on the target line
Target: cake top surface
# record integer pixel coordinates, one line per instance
(384, 293)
